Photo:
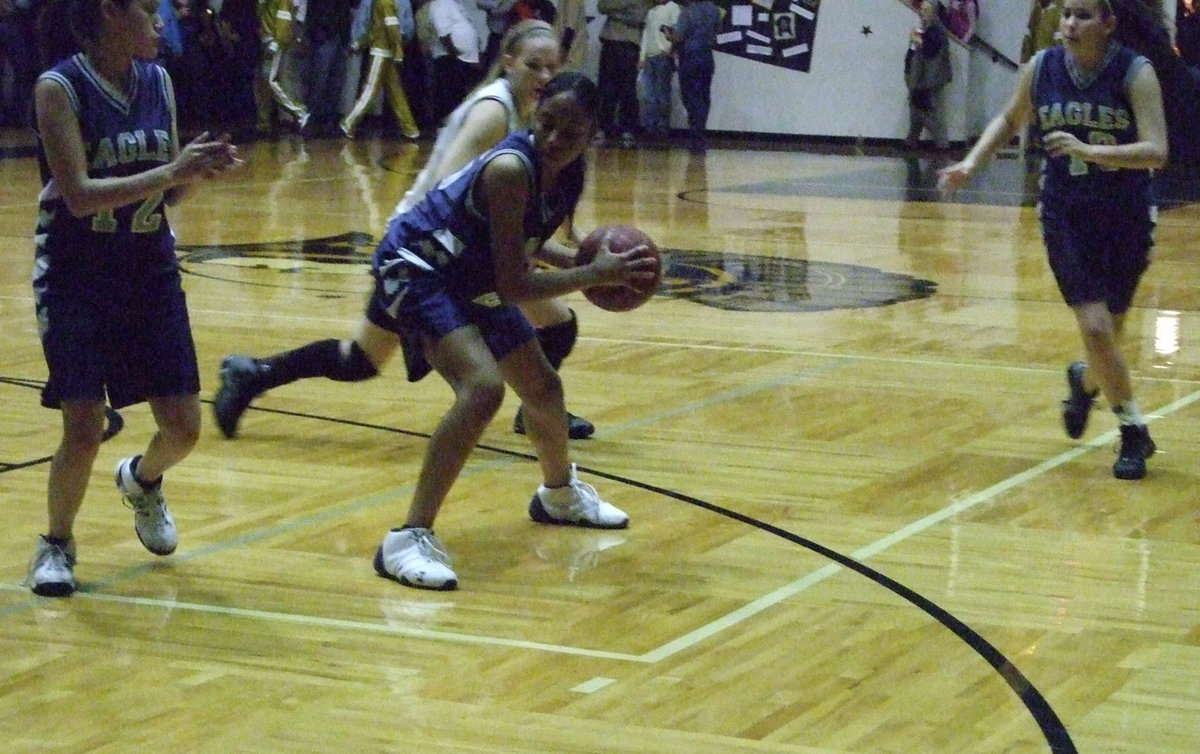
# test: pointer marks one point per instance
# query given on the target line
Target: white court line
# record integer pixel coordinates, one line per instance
(684, 641)
(767, 601)
(336, 623)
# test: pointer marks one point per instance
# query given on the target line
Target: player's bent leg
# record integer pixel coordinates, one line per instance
(557, 331)
(412, 555)
(464, 361)
(178, 421)
(244, 378)
(139, 479)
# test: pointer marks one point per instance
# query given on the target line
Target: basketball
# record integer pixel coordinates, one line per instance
(619, 298)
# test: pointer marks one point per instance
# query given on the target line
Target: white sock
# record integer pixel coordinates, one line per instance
(1128, 413)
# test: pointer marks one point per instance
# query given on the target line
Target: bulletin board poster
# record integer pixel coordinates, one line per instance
(774, 32)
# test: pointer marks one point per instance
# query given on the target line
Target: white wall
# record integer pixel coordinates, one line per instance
(1002, 23)
(856, 83)
(855, 87)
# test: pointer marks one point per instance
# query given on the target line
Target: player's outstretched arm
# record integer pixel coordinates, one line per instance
(999, 132)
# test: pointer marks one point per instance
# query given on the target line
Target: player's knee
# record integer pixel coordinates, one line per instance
(180, 429)
(1097, 327)
(354, 366)
(82, 432)
(186, 434)
(482, 396)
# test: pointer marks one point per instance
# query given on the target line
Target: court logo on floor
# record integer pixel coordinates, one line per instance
(741, 282)
(338, 266)
(330, 266)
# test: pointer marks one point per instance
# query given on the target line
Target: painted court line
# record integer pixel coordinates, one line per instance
(339, 624)
(674, 646)
(767, 601)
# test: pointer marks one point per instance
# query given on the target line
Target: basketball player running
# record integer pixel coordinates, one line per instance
(448, 274)
(529, 57)
(106, 284)
(1098, 107)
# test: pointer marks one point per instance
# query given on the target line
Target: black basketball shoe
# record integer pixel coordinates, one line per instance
(1078, 403)
(239, 386)
(578, 428)
(1136, 447)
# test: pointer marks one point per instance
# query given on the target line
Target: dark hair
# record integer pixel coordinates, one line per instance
(64, 27)
(578, 86)
(1143, 29)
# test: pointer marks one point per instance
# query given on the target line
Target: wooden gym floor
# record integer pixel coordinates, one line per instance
(857, 525)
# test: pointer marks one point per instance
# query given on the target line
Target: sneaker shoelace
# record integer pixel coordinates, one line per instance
(587, 499)
(429, 546)
(147, 502)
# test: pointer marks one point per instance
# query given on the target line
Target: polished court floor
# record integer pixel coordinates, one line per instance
(857, 525)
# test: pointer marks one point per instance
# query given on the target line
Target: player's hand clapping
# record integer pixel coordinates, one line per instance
(205, 157)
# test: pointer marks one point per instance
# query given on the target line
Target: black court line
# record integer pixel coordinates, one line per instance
(1052, 727)
(113, 424)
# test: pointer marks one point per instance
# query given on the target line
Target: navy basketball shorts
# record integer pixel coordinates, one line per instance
(131, 353)
(421, 307)
(1098, 254)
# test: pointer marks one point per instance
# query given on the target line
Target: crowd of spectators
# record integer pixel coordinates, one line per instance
(318, 67)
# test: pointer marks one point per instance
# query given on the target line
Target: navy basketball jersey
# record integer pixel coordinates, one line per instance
(447, 232)
(1096, 110)
(107, 255)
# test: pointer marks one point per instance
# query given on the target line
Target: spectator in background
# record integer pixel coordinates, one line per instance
(17, 45)
(360, 22)
(571, 25)
(499, 15)
(535, 10)
(693, 39)
(170, 42)
(620, 42)
(1042, 32)
(416, 74)
(960, 18)
(926, 73)
(1187, 31)
(451, 45)
(656, 66)
(188, 74)
(327, 36)
(275, 35)
(1043, 27)
(385, 41)
(238, 24)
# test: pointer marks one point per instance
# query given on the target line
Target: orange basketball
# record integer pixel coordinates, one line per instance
(619, 298)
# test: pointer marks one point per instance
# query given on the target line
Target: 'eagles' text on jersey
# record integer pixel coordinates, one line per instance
(1095, 108)
(107, 255)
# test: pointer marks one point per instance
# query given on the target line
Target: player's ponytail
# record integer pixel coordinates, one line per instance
(55, 38)
(1143, 29)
